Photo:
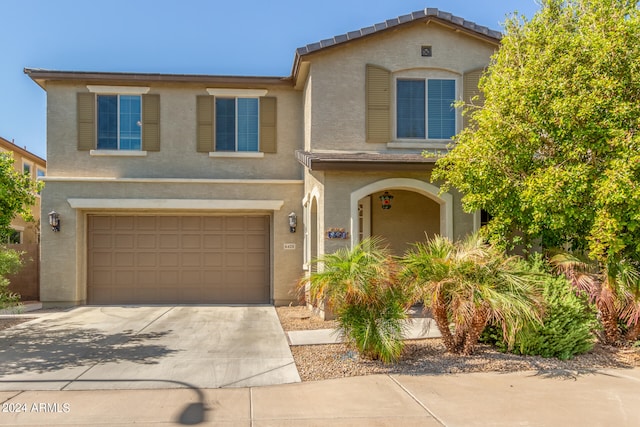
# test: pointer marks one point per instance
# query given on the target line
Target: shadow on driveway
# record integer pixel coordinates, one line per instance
(38, 349)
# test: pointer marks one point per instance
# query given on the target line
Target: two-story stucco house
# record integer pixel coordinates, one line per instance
(221, 189)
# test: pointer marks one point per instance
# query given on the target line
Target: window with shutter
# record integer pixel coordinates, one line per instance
(236, 124)
(123, 122)
(424, 109)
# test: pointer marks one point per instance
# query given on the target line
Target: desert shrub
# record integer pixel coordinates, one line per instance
(10, 262)
(567, 324)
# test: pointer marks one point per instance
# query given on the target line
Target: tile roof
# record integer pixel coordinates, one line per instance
(420, 15)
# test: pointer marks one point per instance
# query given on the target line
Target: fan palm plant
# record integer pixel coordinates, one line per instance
(361, 287)
(469, 283)
(612, 287)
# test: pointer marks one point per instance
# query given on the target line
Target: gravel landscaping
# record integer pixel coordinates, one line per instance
(429, 357)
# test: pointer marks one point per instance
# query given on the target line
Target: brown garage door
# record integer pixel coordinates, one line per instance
(177, 259)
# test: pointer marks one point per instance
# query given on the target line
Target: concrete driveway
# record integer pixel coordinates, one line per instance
(137, 347)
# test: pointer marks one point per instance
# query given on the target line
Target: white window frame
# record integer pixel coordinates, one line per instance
(426, 75)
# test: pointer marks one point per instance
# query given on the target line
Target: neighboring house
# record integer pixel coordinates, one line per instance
(180, 188)
(27, 162)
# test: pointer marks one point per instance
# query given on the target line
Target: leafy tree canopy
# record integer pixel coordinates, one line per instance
(554, 153)
(17, 193)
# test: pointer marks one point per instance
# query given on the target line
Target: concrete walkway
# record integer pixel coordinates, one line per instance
(416, 328)
(599, 398)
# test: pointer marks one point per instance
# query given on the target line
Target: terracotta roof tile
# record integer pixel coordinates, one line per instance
(415, 16)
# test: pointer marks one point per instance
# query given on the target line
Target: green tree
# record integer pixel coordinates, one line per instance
(17, 194)
(554, 153)
(470, 283)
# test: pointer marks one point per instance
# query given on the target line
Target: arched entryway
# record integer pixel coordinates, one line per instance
(417, 208)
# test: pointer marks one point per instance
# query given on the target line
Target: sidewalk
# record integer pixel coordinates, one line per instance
(602, 398)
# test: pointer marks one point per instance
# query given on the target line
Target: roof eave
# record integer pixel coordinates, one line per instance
(40, 77)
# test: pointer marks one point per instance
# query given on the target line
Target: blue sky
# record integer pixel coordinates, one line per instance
(241, 37)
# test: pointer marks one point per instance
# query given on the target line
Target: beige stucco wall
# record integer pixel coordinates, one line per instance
(167, 174)
(63, 269)
(338, 116)
(177, 157)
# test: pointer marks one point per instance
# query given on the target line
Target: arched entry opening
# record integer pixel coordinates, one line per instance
(416, 208)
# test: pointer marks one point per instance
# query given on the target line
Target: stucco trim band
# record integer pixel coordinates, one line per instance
(173, 180)
(176, 204)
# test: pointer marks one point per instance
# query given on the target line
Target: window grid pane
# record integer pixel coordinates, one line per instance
(130, 125)
(247, 124)
(442, 115)
(107, 122)
(410, 107)
(225, 124)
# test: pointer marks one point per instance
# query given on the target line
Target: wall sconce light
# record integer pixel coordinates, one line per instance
(293, 222)
(386, 199)
(54, 220)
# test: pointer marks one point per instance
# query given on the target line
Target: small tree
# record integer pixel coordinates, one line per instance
(470, 283)
(17, 194)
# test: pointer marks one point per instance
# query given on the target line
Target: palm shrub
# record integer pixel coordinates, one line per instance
(10, 262)
(468, 284)
(567, 325)
(614, 289)
(361, 287)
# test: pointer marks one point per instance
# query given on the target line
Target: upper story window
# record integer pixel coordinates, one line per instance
(119, 122)
(424, 108)
(26, 167)
(236, 124)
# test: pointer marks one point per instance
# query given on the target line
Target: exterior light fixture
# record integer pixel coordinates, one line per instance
(54, 220)
(386, 199)
(293, 222)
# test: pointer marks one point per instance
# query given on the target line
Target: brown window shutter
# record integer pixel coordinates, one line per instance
(268, 124)
(151, 122)
(86, 106)
(470, 90)
(205, 141)
(378, 101)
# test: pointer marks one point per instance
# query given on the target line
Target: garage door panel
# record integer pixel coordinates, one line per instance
(213, 223)
(147, 259)
(101, 259)
(168, 223)
(191, 223)
(146, 241)
(212, 242)
(169, 278)
(172, 259)
(169, 241)
(212, 260)
(124, 223)
(191, 241)
(169, 259)
(123, 279)
(101, 240)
